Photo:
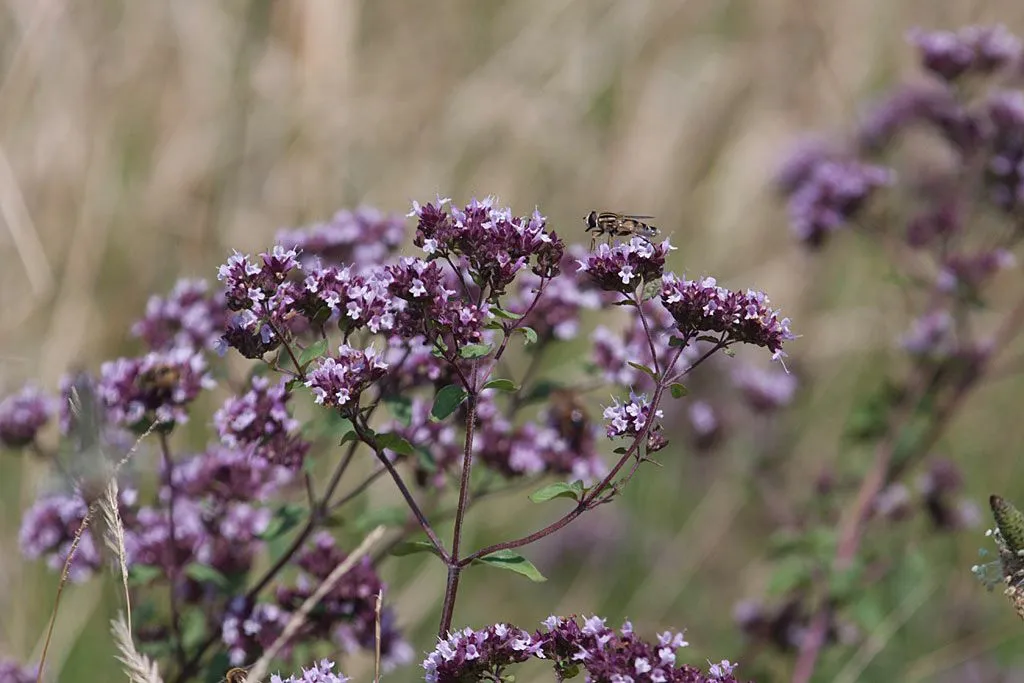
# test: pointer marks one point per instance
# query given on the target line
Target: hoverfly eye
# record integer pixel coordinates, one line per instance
(591, 219)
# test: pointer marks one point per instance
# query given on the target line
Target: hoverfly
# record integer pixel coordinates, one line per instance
(617, 225)
(235, 675)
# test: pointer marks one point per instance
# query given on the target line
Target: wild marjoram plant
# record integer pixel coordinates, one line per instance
(935, 176)
(405, 362)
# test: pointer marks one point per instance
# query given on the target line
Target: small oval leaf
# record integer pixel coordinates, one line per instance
(678, 390)
(643, 368)
(312, 352)
(396, 443)
(447, 400)
(470, 351)
(502, 313)
(413, 548)
(502, 385)
(513, 562)
(558, 490)
(529, 333)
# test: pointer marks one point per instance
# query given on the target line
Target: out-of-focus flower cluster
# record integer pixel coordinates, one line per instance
(23, 414)
(346, 616)
(12, 672)
(603, 653)
(320, 672)
(258, 421)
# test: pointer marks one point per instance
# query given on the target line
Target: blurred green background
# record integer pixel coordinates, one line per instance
(142, 141)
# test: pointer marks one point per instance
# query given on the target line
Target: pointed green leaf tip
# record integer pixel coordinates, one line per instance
(1010, 522)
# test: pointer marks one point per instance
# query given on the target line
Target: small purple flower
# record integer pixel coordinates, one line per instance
(968, 272)
(158, 386)
(23, 414)
(765, 391)
(705, 425)
(494, 245)
(188, 317)
(701, 306)
(931, 335)
(832, 196)
(625, 267)
(614, 351)
(364, 238)
(556, 313)
(424, 305)
(629, 419)
(48, 530)
(339, 380)
(927, 105)
(248, 632)
(320, 672)
(12, 672)
(1004, 172)
(259, 421)
(605, 654)
(950, 55)
(347, 614)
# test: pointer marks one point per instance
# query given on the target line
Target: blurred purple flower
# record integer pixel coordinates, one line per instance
(919, 104)
(158, 386)
(629, 418)
(23, 414)
(248, 632)
(968, 272)
(12, 672)
(1004, 172)
(705, 424)
(949, 55)
(258, 421)
(556, 314)
(189, 317)
(364, 238)
(765, 391)
(320, 672)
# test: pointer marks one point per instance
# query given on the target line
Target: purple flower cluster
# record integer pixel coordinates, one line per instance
(158, 386)
(48, 531)
(625, 267)
(339, 380)
(605, 654)
(320, 672)
(347, 614)
(218, 517)
(258, 422)
(831, 196)
(424, 305)
(966, 273)
(364, 238)
(494, 244)
(190, 317)
(614, 351)
(247, 632)
(630, 418)
(1004, 172)
(980, 49)
(23, 414)
(701, 306)
(554, 312)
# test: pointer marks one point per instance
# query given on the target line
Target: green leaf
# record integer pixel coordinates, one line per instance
(206, 574)
(426, 459)
(711, 339)
(529, 333)
(558, 490)
(413, 548)
(396, 443)
(285, 518)
(502, 385)
(789, 574)
(291, 385)
(142, 574)
(624, 302)
(644, 369)
(502, 313)
(193, 627)
(447, 400)
(729, 352)
(678, 390)
(400, 407)
(470, 351)
(676, 342)
(312, 352)
(513, 562)
(392, 515)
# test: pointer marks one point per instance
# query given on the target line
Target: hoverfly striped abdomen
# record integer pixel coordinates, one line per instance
(613, 225)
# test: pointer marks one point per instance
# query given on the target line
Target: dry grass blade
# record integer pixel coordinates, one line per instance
(376, 637)
(113, 538)
(60, 586)
(259, 669)
(139, 667)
